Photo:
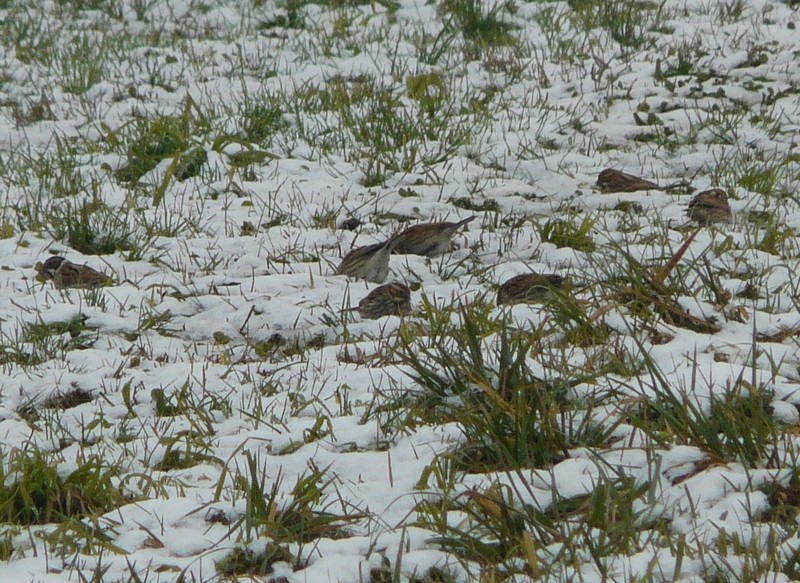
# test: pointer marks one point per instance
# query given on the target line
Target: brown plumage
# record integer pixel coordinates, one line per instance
(350, 224)
(391, 299)
(528, 288)
(65, 274)
(610, 180)
(710, 206)
(370, 262)
(428, 239)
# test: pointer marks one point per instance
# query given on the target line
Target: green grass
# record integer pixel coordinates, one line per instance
(151, 141)
(567, 234)
(305, 516)
(510, 418)
(35, 493)
(735, 427)
(244, 561)
(627, 21)
(479, 26)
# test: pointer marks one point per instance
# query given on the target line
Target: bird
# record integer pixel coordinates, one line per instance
(610, 180)
(528, 288)
(350, 224)
(429, 239)
(391, 299)
(709, 206)
(370, 262)
(66, 274)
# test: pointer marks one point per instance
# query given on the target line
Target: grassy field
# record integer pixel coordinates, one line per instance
(221, 411)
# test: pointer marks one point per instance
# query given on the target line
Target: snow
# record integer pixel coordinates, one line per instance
(199, 315)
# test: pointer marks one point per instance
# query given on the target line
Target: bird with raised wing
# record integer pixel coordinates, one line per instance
(428, 239)
(370, 262)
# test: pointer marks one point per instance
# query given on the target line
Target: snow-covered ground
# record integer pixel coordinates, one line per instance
(223, 365)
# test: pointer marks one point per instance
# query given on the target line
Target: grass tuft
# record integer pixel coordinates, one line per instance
(476, 372)
(161, 138)
(244, 561)
(35, 493)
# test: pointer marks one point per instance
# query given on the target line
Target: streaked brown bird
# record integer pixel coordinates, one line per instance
(391, 299)
(370, 262)
(610, 180)
(528, 288)
(66, 274)
(428, 239)
(710, 206)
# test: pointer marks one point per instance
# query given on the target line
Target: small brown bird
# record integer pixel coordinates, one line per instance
(429, 239)
(710, 206)
(610, 180)
(370, 262)
(350, 224)
(391, 299)
(528, 288)
(65, 274)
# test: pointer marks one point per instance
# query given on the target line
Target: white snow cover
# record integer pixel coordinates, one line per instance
(233, 309)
